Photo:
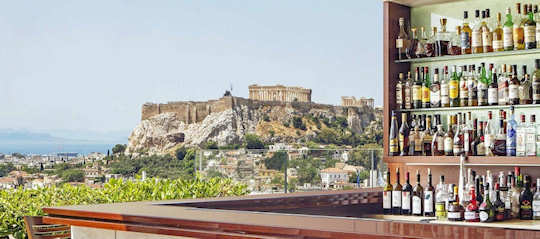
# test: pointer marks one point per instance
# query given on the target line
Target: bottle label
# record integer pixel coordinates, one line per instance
(513, 91)
(536, 90)
(406, 200)
(440, 143)
(524, 92)
(464, 92)
(476, 38)
(444, 94)
(510, 141)
(520, 143)
(407, 98)
(486, 38)
(465, 40)
(440, 209)
(435, 95)
(387, 199)
(466, 142)
(425, 94)
(498, 44)
(417, 93)
(536, 207)
(453, 89)
(416, 205)
(418, 144)
(399, 96)
(396, 198)
(537, 33)
(448, 144)
(403, 142)
(493, 96)
(530, 141)
(502, 91)
(481, 149)
(399, 43)
(394, 145)
(454, 215)
(508, 38)
(471, 215)
(507, 204)
(488, 143)
(530, 34)
(428, 201)
(484, 216)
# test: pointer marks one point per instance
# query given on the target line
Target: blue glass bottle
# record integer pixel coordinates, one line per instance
(511, 134)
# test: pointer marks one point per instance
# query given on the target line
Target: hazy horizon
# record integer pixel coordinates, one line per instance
(82, 70)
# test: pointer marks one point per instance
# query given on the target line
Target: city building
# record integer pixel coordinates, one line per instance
(279, 93)
(333, 178)
(352, 101)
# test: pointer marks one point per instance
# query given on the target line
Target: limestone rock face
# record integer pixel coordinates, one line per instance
(163, 132)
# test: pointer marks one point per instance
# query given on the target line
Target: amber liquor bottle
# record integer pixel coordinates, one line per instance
(404, 135)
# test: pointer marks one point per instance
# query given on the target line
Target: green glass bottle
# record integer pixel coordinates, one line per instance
(454, 88)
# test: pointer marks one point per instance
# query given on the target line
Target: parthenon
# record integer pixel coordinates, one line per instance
(352, 101)
(279, 93)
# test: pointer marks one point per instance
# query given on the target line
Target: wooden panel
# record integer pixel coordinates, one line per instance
(418, 3)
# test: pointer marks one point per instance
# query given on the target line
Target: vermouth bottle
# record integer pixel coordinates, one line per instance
(536, 82)
(396, 196)
(399, 92)
(435, 90)
(406, 197)
(529, 29)
(429, 197)
(417, 197)
(394, 143)
(466, 33)
(508, 38)
(404, 135)
(493, 91)
(426, 102)
(387, 195)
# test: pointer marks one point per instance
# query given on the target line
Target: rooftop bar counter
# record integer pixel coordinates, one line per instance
(317, 215)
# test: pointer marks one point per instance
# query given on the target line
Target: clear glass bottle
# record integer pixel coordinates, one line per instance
(402, 41)
(407, 92)
(430, 45)
(487, 35)
(441, 197)
(411, 49)
(502, 83)
(443, 39)
(489, 135)
(498, 35)
(476, 39)
(421, 44)
(530, 138)
(511, 134)
(466, 34)
(454, 47)
(525, 88)
(435, 90)
(536, 201)
(521, 132)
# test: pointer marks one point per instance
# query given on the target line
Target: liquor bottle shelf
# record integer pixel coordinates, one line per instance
(468, 108)
(501, 161)
(419, 3)
(470, 56)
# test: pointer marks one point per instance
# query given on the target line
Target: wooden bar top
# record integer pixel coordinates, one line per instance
(335, 214)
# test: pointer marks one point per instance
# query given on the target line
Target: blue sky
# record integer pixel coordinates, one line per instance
(88, 66)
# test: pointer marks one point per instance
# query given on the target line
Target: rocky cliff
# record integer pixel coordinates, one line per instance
(169, 125)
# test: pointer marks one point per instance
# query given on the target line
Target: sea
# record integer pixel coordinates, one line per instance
(51, 148)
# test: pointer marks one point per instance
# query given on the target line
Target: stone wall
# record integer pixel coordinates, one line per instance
(279, 93)
(352, 101)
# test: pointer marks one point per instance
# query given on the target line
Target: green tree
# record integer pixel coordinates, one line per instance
(210, 145)
(119, 149)
(277, 161)
(6, 168)
(252, 141)
(73, 175)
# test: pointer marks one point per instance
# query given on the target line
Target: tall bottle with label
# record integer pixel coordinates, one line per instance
(513, 88)
(417, 197)
(536, 201)
(489, 135)
(399, 92)
(407, 92)
(406, 197)
(487, 211)
(466, 34)
(519, 41)
(521, 134)
(525, 201)
(508, 37)
(449, 138)
(493, 92)
(435, 90)
(387, 195)
(402, 41)
(487, 36)
(458, 136)
(483, 84)
(441, 198)
(445, 88)
(536, 82)
(426, 93)
(530, 137)
(393, 137)
(472, 86)
(471, 211)
(502, 85)
(464, 87)
(429, 197)
(525, 88)
(396, 196)
(427, 138)
(511, 134)
(404, 136)
(498, 35)
(529, 29)
(417, 90)
(476, 39)
(498, 204)
(453, 88)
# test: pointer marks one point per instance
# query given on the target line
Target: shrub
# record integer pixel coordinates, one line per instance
(266, 118)
(253, 142)
(16, 203)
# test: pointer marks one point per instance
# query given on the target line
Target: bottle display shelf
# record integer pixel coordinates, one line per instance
(470, 56)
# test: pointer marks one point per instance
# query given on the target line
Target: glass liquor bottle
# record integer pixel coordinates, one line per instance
(525, 201)
(498, 204)
(515, 194)
(399, 92)
(508, 37)
(445, 88)
(455, 212)
(404, 135)
(502, 83)
(466, 34)
(396, 196)
(519, 41)
(430, 45)
(435, 90)
(402, 41)
(421, 44)
(449, 138)
(454, 47)
(498, 35)
(411, 49)
(511, 134)
(508, 197)
(472, 85)
(440, 200)
(537, 18)
(443, 39)
(487, 212)
(493, 92)
(483, 84)
(499, 147)
(417, 196)
(437, 145)
(426, 102)
(464, 87)
(513, 88)
(536, 82)
(406, 197)
(530, 137)
(458, 137)
(536, 201)
(417, 137)
(429, 197)
(524, 89)
(476, 38)
(487, 36)
(468, 135)
(471, 212)
(427, 138)
(417, 90)
(521, 132)
(529, 28)
(387, 195)
(489, 135)
(453, 88)
(475, 138)
(407, 92)
(393, 138)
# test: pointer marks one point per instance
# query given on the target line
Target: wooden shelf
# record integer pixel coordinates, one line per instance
(419, 3)
(470, 56)
(468, 108)
(471, 161)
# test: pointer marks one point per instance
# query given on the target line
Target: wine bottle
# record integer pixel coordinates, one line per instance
(393, 138)
(429, 197)
(471, 212)
(406, 197)
(396, 196)
(417, 196)
(387, 195)
(498, 204)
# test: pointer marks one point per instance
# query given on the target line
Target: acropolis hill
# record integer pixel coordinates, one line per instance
(226, 120)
